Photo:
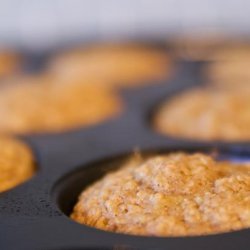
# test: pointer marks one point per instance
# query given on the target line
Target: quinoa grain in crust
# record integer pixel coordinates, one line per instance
(174, 194)
(38, 104)
(206, 114)
(16, 163)
(121, 65)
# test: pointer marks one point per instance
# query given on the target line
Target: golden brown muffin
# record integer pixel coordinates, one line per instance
(38, 105)
(230, 66)
(197, 46)
(174, 194)
(16, 163)
(8, 63)
(117, 65)
(207, 114)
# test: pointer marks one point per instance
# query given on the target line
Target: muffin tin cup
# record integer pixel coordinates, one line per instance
(34, 215)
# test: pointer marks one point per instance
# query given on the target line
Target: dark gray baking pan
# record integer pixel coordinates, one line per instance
(34, 215)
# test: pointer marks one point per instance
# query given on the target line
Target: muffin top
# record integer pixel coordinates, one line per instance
(116, 64)
(202, 45)
(176, 194)
(8, 62)
(207, 114)
(17, 163)
(229, 66)
(36, 104)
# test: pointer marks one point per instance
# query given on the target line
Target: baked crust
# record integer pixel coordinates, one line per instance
(17, 163)
(207, 114)
(230, 66)
(41, 104)
(116, 65)
(174, 194)
(9, 62)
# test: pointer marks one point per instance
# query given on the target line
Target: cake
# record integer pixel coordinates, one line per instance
(36, 104)
(17, 163)
(119, 65)
(229, 67)
(206, 114)
(176, 194)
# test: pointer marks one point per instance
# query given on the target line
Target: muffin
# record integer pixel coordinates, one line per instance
(9, 62)
(118, 65)
(174, 194)
(37, 105)
(17, 163)
(206, 114)
(197, 46)
(229, 66)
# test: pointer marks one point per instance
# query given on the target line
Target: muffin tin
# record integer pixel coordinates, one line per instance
(33, 216)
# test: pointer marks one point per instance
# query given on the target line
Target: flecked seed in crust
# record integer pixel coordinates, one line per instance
(16, 163)
(174, 194)
(207, 114)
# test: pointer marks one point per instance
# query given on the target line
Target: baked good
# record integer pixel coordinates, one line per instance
(200, 45)
(176, 194)
(36, 105)
(206, 114)
(17, 163)
(229, 66)
(9, 62)
(121, 65)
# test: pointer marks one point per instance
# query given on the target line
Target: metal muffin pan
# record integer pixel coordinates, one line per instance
(33, 216)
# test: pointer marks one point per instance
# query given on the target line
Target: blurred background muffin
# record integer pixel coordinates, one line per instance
(35, 104)
(9, 62)
(206, 114)
(17, 163)
(229, 65)
(199, 46)
(119, 65)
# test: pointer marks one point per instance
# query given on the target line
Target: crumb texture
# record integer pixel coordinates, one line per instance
(176, 194)
(16, 163)
(207, 114)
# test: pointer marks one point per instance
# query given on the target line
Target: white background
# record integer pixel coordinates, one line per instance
(46, 22)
